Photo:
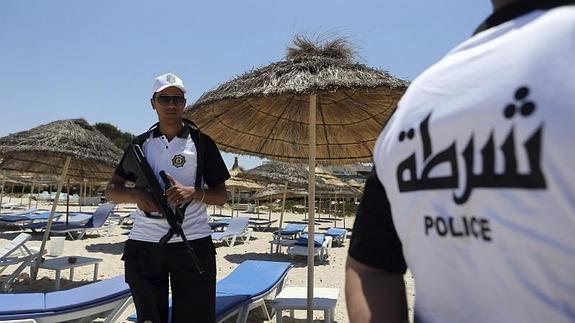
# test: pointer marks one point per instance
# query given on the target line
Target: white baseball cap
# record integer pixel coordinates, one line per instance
(167, 80)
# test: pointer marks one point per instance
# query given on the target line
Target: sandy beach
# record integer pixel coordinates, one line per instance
(109, 247)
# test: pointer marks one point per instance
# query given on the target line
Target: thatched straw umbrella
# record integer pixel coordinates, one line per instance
(265, 112)
(274, 112)
(45, 148)
(243, 184)
(44, 180)
(355, 183)
(336, 189)
(71, 148)
(278, 173)
(275, 192)
(290, 175)
(272, 192)
(6, 180)
(240, 184)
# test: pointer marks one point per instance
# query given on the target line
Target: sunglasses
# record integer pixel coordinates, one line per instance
(167, 99)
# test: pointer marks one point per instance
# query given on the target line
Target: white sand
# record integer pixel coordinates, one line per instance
(110, 247)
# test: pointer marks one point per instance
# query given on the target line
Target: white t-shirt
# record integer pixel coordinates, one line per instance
(178, 158)
(478, 165)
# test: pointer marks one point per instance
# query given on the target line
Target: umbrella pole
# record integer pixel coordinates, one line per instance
(270, 209)
(22, 194)
(34, 272)
(331, 209)
(282, 216)
(240, 199)
(31, 192)
(233, 200)
(68, 201)
(343, 211)
(305, 208)
(37, 195)
(335, 214)
(311, 219)
(11, 192)
(82, 195)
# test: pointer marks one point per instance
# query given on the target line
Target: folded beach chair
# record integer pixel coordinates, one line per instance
(261, 224)
(16, 253)
(246, 288)
(82, 302)
(236, 229)
(322, 244)
(80, 223)
(337, 234)
(97, 222)
(286, 236)
(219, 225)
(291, 231)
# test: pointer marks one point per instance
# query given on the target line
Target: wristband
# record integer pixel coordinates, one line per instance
(203, 195)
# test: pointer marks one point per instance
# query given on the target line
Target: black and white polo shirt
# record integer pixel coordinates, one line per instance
(178, 158)
(475, 176)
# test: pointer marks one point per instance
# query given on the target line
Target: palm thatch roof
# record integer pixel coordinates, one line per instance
(44, 150)
(265, 112)
(276, 192)
(242, 184)
(335, 186)
(236, 182)
(297, 176)
(278, 173)
(236, 169)
(355, 183)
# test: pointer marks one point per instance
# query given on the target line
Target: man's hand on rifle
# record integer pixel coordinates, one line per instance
(178, 193)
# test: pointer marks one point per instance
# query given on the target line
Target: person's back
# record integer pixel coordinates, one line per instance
(477, 165)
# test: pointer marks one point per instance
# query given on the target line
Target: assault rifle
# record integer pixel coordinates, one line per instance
(136, 163)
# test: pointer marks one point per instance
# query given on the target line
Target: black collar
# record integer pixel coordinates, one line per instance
(518, 9)
(183, 133)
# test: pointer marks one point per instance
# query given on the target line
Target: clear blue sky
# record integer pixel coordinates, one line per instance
(97, 59)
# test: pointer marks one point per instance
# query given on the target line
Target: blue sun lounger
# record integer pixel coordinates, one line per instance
(27, 218)
(256, 279)
(338, 235)
(59, 306)
(226, 307)
(82, 223)
(73, 218)
(19, 212)
(291, 230)
(246, 288)
(322, 244)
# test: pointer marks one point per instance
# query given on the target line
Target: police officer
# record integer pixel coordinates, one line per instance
(172, 146)
(473, 186)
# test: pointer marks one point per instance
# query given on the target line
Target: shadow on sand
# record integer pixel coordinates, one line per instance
(109, 248)
(297, 261)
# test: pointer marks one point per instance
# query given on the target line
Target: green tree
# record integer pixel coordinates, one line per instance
(120, 138)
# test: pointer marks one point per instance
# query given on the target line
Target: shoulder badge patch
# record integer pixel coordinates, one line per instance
(178, 160)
